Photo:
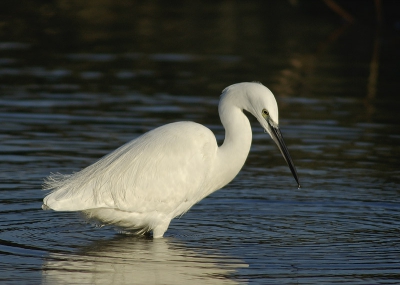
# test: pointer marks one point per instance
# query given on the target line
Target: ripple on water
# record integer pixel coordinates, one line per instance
(342, 226)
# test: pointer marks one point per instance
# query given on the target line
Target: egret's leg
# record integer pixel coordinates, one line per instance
(159, 230)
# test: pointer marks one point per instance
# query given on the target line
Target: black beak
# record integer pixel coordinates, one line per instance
(277, 137)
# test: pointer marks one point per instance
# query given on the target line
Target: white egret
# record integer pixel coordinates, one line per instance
(147, 182)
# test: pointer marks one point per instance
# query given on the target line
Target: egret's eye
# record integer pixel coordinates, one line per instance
(265, 113)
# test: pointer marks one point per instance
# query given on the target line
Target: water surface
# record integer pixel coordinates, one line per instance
(73, 88)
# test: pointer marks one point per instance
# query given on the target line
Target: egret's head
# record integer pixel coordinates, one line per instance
(256, 99)
(259, 101)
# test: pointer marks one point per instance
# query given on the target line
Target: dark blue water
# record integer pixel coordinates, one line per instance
(79, 80)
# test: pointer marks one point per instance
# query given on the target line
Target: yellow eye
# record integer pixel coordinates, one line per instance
(265, 113)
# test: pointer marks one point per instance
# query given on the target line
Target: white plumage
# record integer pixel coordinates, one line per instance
(147, 182)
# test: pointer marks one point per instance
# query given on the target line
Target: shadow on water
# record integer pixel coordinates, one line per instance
(136, 260)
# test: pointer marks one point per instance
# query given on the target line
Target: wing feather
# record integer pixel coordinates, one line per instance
(159, 171)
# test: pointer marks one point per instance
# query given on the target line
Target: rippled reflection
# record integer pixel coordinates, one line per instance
(131, 260)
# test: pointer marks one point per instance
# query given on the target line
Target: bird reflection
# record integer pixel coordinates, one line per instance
(127, 260)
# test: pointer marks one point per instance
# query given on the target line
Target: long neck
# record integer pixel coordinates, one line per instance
(233, 152)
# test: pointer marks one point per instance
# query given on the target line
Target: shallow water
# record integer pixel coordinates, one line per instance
(74, 88)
